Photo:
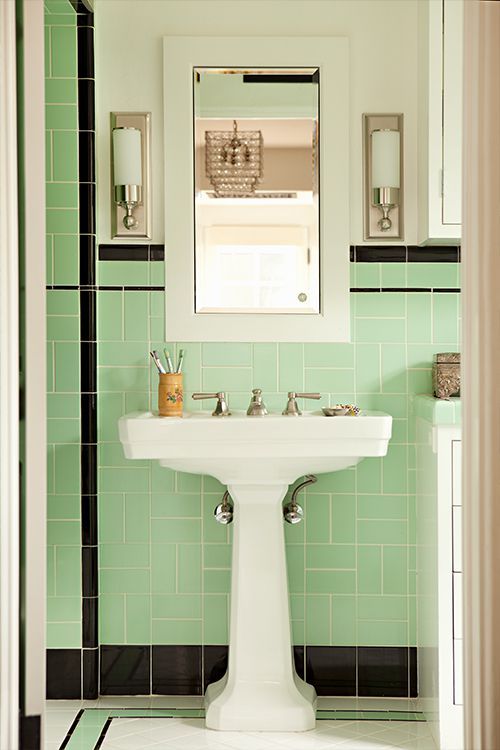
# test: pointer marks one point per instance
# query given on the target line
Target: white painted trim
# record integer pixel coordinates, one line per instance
(330, 54)
(481, 434)
(9, 386)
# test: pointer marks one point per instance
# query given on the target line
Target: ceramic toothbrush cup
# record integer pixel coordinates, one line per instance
(170, 394)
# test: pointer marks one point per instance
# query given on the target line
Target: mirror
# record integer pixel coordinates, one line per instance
(256, 199)
(256, 188)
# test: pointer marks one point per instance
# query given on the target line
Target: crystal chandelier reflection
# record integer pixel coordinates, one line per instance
(234, 161)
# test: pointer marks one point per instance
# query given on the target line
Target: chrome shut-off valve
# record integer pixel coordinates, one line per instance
(224, 511)
(292, 511)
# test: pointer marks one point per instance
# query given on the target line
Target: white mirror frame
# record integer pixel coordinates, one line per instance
(330, 55)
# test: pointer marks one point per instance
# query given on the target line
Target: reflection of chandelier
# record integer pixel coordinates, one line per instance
(233, 162)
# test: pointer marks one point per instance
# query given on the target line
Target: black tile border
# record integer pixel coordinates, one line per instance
(126, 670)
(130, 252)
(64, 673)
(30, 732)
(72, 728)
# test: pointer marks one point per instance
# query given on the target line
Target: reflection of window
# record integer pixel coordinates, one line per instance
(257, 269)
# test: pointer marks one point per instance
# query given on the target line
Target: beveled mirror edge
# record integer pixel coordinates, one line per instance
(330, 54)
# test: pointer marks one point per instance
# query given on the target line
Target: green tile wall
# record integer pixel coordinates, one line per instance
(165, 563)
(63, 330)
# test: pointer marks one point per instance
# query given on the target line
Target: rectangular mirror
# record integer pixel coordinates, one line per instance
(256, 189)
(256, 157)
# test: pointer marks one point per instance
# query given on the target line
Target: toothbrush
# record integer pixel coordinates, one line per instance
(169, 361)
(181, 358)
(157, 361)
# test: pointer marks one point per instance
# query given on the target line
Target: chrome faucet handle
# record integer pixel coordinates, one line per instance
(292, 409)
(257, 407)
(221, 408)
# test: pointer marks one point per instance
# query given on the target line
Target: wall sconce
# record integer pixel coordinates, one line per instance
(383, 176)
(130, 174)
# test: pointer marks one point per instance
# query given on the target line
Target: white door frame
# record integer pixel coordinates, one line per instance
(481, 428)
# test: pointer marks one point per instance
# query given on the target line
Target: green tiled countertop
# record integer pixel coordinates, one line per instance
(438, 411)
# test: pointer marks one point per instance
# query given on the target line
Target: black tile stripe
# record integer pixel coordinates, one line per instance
(71, 729)
(132, 252)
(103, 734)
(405, 254)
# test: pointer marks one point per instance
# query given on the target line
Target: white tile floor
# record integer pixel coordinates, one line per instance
(191, 734)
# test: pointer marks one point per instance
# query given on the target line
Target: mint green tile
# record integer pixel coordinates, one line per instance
(59, 117)
(295, 561)
(51, 571)
(123, 353)
(157, 273)
(327, 380)
(64, 635)
(189, 568)
(63, 430)
(187, 482)
(445, 317)
(137, 517)
(336, 481)
(343, 620)
(163, 568)
(419, 318)
(48, 155)
(369, 560)
(212, 531)
(63, 506)
(176, 606)
(226, 354)
(393, 368)
(157, 332)
(185, 632)
(137, 401)
(64, 608)
(191, 367)
(217, 556)
(136, 316)
(297, 606)
(138, 618)
(382, 506)
(387, 531)
(111, 618)
(123, 273)
(395, 470)
(124, 480)
(162, 479)
(61, 91)
(67, 570)
(63, 532)
(124, 555)
(317, 518)
(63, 51)
(330, 556)
(394, 404)
(63, 328)
(367, 370)
(382, 608)
(111, 518)
(420, 381)
(50, 469)
(330, 582)
(226, 379)
(217, 581)
(65, 158)
(61, 195)
(215, 619)
(123, 581)
(61, 220)
(49, 265)
(59, 7)
(67, 469)
(386, 305)
(157, 305)
(383, 330)
(395, 570)
(329, 355)
(265, 367)
(393, 275)
(343, 520)
(440, 275)
(369, 475)
(412, 621)
(123, 378)
(368, 275)
(110, 409)
(291, 367)
(317, 623)
(62, 302)
(176, 530)
(412, 519)
(66, 259)
(112, 455)
(110, 316)
(298, 632)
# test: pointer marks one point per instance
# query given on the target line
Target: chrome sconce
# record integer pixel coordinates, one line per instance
(130, 174)
(383, 176)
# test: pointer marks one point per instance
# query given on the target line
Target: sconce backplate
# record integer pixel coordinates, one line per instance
(142, 121)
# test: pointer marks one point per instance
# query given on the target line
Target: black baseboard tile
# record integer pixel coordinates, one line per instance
(383, 671)
(214, 664)
(90, 665)
(331, 669)
(176, 670)
(30, 732)
(64, 673)
(125, 670)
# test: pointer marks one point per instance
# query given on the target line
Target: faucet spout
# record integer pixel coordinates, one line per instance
(257, 407)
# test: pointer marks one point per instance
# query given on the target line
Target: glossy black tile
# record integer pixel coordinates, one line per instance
(87, 207)
(381, 254)
(89, 622)
(64, 673)
(88, 469)
(88, 417)
(86, 154)
(85, 52)
(87, 259)
(125, 670)
(123, 252)
(90, 673)
(103, 734)
(87, 315)
(156, 252)
(331, 669)
(86, 105)
(30, 732)
(89, 520)
(352, 253)
(89, 572)
(434, 254)
(214, 664)
(176, 670)
(299, 660)
(383, 671)
(84, 18)
(413, 672)
(88, 366)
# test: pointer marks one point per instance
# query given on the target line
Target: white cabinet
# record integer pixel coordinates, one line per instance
(440, 120)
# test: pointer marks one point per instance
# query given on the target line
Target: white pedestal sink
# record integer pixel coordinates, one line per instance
(257, 458)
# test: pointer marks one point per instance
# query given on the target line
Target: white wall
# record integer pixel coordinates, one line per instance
(383, 68)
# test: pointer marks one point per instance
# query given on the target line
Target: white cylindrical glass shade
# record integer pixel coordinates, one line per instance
(385, 159)
(127, 155)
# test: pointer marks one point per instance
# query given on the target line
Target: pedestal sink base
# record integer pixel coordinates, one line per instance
(262, 707)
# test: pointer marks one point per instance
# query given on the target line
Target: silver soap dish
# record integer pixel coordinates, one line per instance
(335, 411)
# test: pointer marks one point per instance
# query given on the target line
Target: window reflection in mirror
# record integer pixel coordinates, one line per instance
(256, 160)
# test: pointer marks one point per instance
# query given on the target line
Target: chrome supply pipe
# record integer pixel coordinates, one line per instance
(224, 511)
(292, 511)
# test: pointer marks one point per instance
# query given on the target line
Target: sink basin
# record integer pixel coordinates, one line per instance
(257, 458)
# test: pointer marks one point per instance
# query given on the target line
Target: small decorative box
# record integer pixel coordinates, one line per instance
(446, 375)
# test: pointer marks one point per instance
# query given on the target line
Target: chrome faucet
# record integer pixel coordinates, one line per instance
(221, 408)
(292, 409)
(257, 407)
